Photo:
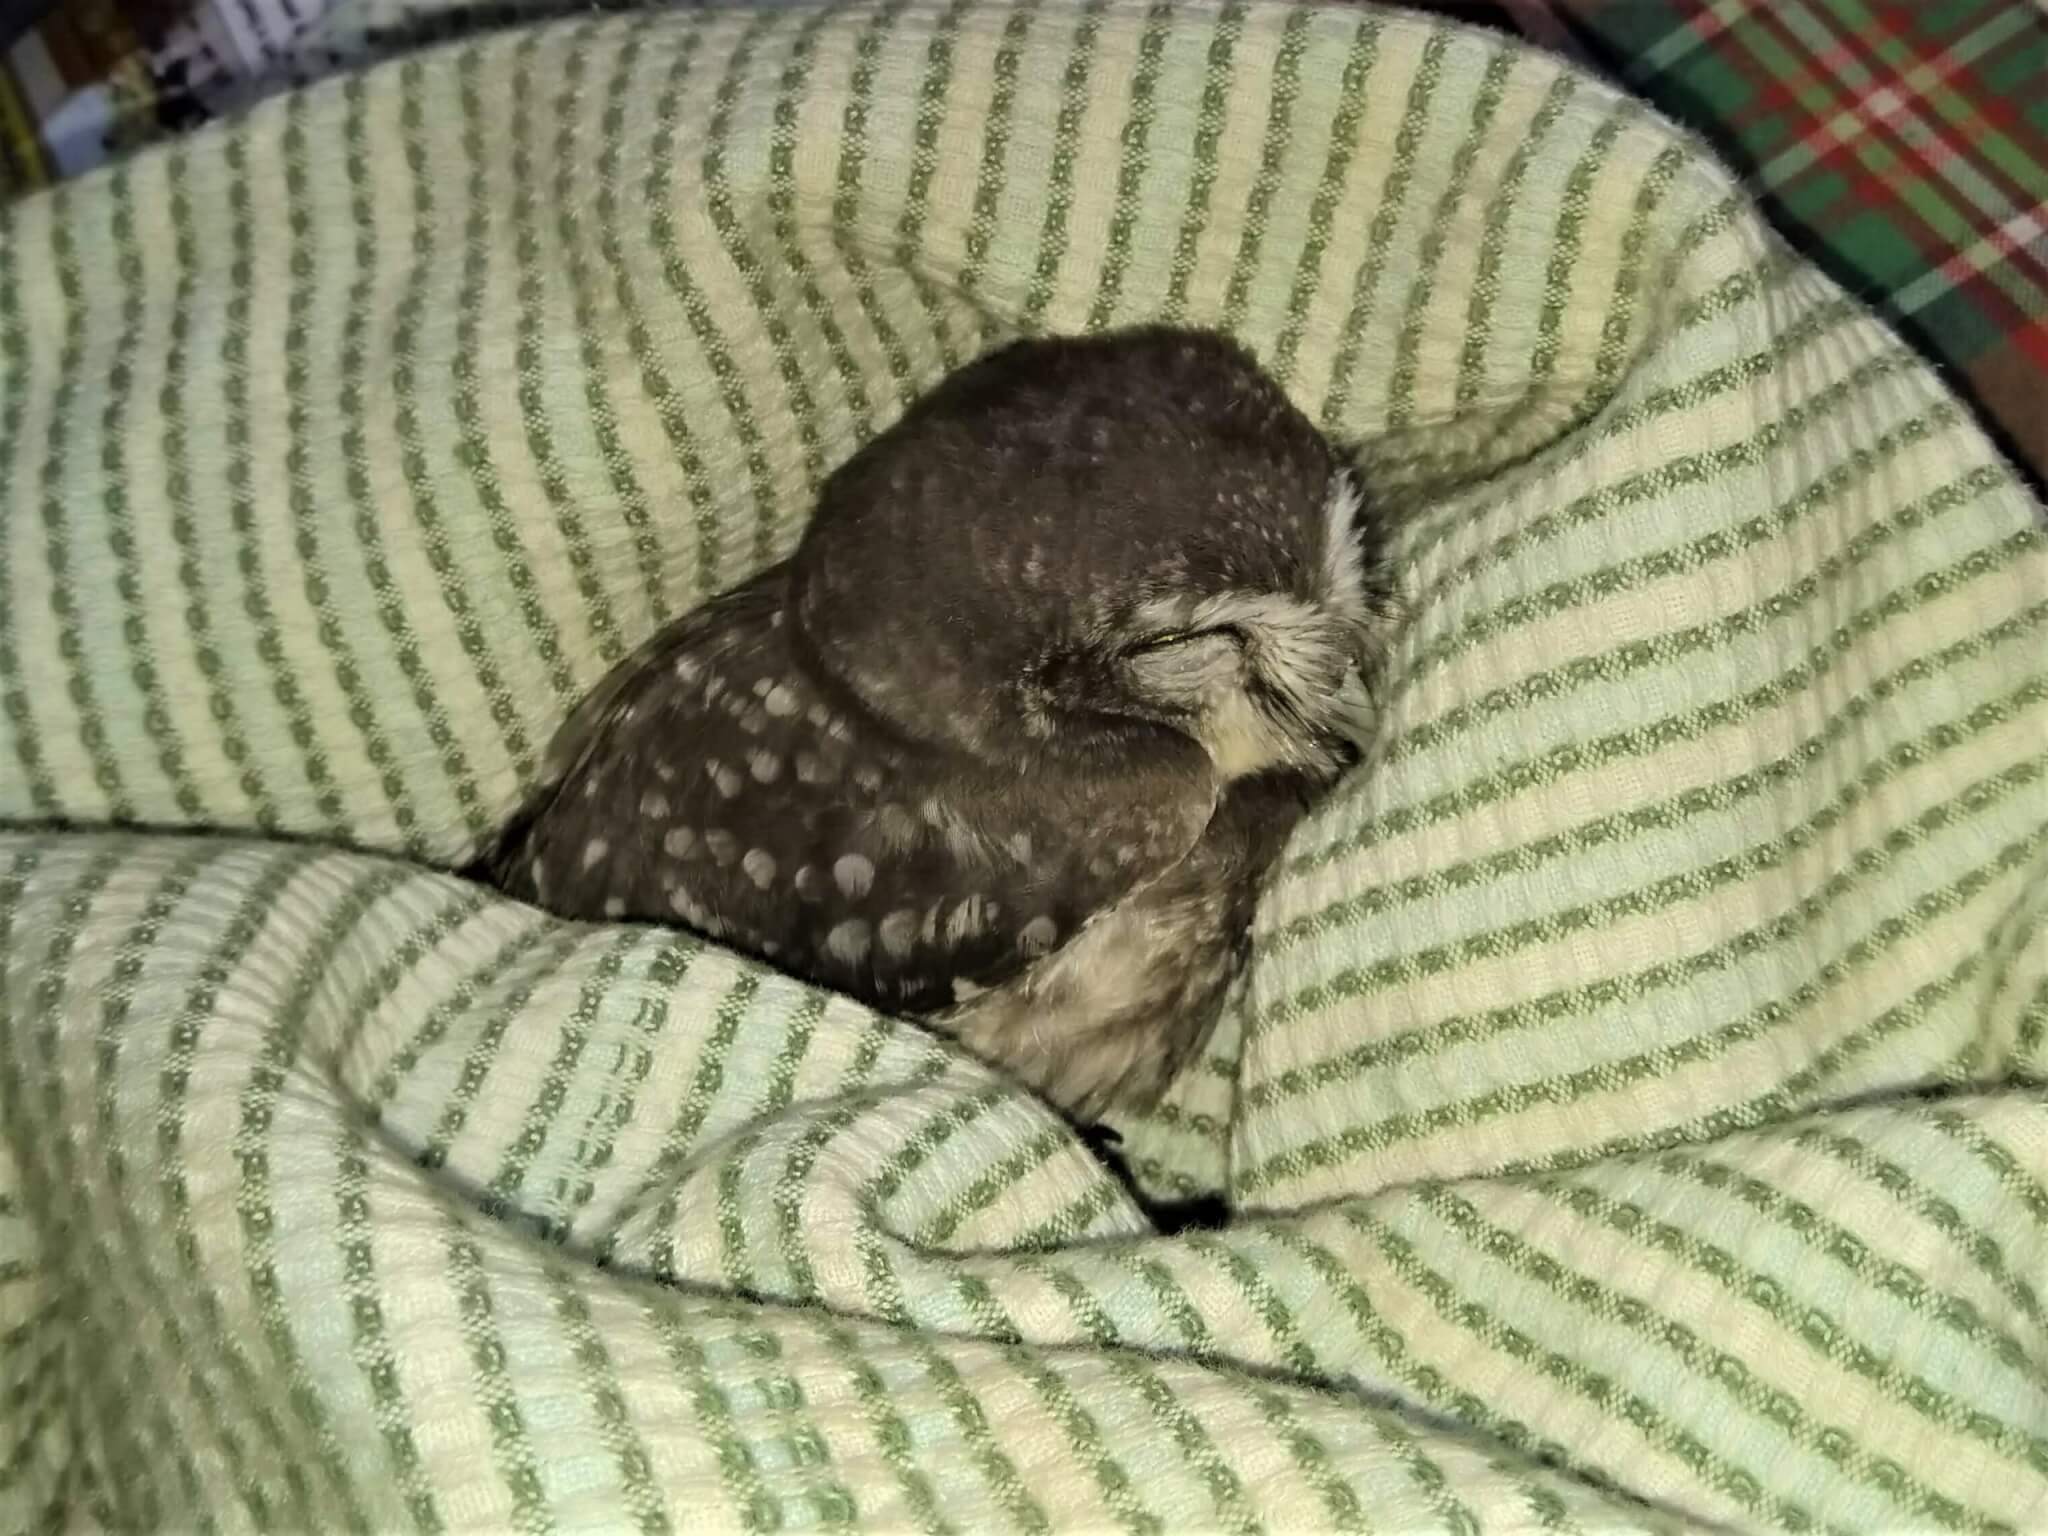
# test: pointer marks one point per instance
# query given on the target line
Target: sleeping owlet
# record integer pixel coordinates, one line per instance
(1011, 740)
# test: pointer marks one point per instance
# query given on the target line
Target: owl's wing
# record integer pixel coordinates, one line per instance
(716, 779)
(591, 730)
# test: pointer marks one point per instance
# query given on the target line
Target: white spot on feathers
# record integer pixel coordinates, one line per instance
(899, 933)
(760, 867)
(848, 941)
(594, 852)
(855, 874)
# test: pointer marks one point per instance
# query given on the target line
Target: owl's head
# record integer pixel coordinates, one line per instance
(1080, 546)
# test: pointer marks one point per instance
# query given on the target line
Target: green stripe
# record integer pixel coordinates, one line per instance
(1683, 471)
(528, 364)
(1311, 1457)
(1662, 650)
(504, 1188)
(2007, 943)
(111, 1035)
(891, 1432)
(758, 1507)
(1621, 310)
(768, 317)
(924, 160)
(511, 1442)
(654, 377)
(600, 1380)
(2010, 1172)
(1806, 318)
(792, 1185)
(186, 1029)
(302, 277)
(782, 207)
(675, 271)
(1322, 213)
(1718, 1370)
(1386, 220)
(1811, 669)
(412, 444)
(1947, 1307)
(1796, 1315)
(474, 452)
(1059, 192)
(1670, 646)
(527, 943)
(2032, 1031)
(370, 1344)
(63, 1225)
(255, 1198)
(1084, 1434)
(733, 1167)
(117, 418)
(376, 991)
(680, 1141)
(92, 729)
(618, 461)
(1564, 247)
(551, 958)
(848, 199)
(234, 357)
(1071, 1222)
(884, 1293)
(1283, 90)
(24, 740)
(1001, 1177)
(1981, 1248)
(1130, 176)
(995, 142)
(1668, 889)
(1668, 814)
(664, 975)
(1408, 346)
(366, 525)
(1227, 30)
(781, 1395)
(1462, 1315)
(1330, 1148)
(1493, 239)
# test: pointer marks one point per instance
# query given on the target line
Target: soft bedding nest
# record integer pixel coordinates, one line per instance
(1634, 1115)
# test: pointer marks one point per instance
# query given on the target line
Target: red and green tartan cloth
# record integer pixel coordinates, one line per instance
(1901, 144)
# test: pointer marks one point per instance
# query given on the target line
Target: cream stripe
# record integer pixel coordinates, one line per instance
(1957, 1465)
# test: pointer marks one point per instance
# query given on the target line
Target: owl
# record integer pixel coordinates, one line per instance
(1011, 741)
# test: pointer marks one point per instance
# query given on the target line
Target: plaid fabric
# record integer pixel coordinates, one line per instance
(1902, 144)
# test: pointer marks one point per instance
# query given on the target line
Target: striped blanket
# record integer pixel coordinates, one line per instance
(1633, 1117)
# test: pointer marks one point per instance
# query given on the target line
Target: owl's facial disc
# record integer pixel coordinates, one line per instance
(1267, 679)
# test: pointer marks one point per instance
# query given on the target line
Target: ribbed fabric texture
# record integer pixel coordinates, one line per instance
(1626, 1114)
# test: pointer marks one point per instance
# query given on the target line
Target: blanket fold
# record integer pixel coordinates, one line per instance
(1633, 1116)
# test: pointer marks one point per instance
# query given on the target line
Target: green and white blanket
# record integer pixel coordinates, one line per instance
(1633, 1117)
